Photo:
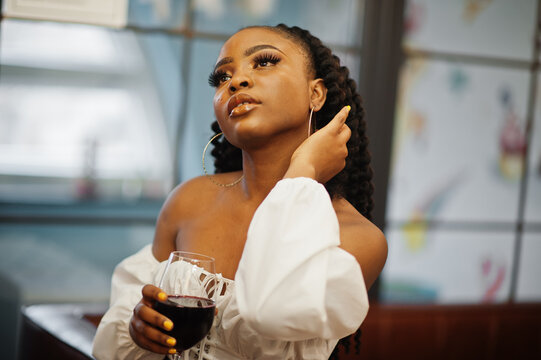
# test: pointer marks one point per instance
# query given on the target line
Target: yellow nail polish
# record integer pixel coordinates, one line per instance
(172, 351)
(171, 341)
(168, 324)
(162, 296)
(349, 107)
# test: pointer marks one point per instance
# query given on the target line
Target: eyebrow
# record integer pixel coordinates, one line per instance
(248, 52)
(256, 48)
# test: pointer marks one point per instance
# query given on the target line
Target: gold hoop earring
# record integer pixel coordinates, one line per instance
(205, 169)
(310, 122)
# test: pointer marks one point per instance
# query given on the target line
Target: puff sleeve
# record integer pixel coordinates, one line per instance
(293, 281)
(112, 340)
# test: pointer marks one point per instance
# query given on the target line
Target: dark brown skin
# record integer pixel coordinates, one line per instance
(201, 217)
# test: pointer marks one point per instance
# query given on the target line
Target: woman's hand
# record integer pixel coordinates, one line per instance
(322, 155)
(146, 324)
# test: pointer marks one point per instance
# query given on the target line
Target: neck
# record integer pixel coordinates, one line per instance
(264, 166)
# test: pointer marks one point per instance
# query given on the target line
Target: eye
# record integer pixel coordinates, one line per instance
(218, 77)
(266, 60)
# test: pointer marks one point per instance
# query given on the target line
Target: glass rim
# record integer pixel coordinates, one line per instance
(192, 256)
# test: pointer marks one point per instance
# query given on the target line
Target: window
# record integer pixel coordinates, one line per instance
(80, 116)
(462, 217)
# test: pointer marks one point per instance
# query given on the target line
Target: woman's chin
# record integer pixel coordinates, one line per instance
(250, 139)
(251, 131)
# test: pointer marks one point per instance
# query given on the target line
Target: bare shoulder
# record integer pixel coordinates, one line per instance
(195, 195)
(175, 210)
(185, 203)
(361, 238)
(185, 199)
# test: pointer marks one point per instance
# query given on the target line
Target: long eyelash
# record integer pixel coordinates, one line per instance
(214, 78)
(267, 57)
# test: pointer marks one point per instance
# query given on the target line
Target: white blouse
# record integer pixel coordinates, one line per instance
(295, 291)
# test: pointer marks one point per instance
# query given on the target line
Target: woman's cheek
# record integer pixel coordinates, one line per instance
(218, 104)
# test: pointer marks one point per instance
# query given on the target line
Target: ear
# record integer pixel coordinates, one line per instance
(318, 94)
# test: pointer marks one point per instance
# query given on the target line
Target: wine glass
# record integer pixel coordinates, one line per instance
(189, 280)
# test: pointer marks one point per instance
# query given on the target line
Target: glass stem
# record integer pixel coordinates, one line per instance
(178, 356)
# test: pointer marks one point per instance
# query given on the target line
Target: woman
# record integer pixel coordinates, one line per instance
(297, 260)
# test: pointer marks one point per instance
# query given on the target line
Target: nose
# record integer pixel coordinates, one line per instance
(240, 80)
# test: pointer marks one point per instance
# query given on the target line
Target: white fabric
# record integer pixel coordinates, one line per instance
(293, 282)
(112, 340)
(295, 292)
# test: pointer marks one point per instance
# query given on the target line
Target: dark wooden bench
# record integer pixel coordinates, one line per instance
(476, 332)
(465, 332)
(58, 332)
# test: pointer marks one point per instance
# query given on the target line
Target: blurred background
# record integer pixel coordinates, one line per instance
(105, 106)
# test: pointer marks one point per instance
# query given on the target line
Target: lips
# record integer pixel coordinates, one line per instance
(240, 104)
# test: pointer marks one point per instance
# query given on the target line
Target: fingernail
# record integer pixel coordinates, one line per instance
(168, 324)
(348, 107)
(172, 351)
(162, 296)
(171, 341)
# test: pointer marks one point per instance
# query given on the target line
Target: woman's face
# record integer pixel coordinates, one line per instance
(262, 87)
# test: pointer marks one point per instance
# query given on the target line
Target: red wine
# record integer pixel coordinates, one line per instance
(192, 318)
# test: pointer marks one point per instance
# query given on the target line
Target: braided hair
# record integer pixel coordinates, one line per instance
(354, 182)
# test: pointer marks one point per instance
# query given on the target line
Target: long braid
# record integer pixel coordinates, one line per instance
(354, 182)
